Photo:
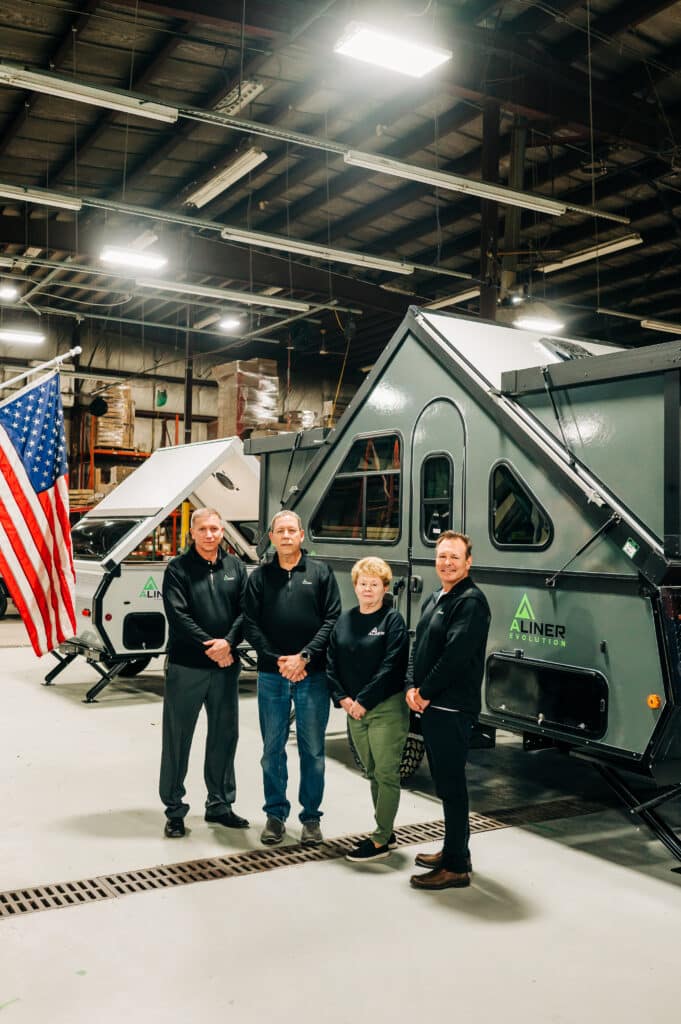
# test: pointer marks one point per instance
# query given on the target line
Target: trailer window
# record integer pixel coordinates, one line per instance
(363, 502)
(93, 539)
(436, 497)
(517, 519)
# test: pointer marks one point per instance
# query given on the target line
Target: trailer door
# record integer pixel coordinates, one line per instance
(436, 501)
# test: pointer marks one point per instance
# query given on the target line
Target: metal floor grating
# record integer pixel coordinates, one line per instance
(163, 876)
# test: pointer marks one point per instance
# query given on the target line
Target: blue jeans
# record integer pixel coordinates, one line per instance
(312, 704)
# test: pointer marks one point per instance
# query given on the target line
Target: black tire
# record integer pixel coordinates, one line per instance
(131, 667)
(3, 603)
(412, 755)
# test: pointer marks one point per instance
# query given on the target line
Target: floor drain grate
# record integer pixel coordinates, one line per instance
(163, 876)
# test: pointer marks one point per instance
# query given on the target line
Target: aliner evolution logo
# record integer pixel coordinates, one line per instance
(526, 628)
(150, 590)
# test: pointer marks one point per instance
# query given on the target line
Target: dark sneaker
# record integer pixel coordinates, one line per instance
(273, 832)
(366, 852)
(392, 842)
(229, 819)
(174, 828)
(311, 834)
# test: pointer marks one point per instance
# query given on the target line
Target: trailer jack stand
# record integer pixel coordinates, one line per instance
(64, 661)
(645, 811)
(106, 678)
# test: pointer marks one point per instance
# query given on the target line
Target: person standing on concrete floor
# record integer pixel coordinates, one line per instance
(291, 604)
(444, 681)
(203, 592)
(365, 667)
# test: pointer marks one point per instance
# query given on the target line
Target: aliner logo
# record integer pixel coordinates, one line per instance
(150, 590)
(526, 628)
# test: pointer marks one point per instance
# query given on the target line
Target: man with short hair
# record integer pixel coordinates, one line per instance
(203, 593)
(444, 682)
(291, 604)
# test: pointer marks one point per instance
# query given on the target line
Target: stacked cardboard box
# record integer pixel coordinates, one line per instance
(248, 396)
(116, 428)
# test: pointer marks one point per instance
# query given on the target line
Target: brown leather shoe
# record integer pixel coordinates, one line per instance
(441, 878)
(434, 860)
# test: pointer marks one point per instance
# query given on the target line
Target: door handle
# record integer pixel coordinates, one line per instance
(415, 584)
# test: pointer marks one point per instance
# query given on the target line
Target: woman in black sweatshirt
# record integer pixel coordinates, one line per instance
(366, 665)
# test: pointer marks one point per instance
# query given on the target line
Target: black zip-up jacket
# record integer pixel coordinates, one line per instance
(367, 656)
(287, 611)
(202, 600)
(448, 658)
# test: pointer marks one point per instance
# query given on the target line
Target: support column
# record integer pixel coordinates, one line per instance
(188, 385)
(489, 213)
(512, 217)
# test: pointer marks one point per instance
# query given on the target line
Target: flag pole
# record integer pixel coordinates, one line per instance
(43, 366)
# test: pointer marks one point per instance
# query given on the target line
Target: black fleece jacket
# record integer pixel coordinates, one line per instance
(287, 611)
(202, 601)
(367, 656)
(448, 658)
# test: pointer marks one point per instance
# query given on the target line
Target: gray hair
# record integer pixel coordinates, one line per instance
(200, 513)
(285, 512)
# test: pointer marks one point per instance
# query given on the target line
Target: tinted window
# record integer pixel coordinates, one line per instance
(94, 539)
(436, 497)
(517, 518)
(363, 502)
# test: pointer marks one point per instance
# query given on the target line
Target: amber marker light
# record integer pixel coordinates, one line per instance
(654, 701)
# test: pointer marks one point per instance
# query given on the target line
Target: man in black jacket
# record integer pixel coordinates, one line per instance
(443, 683)
(291, 605)
(203, 593)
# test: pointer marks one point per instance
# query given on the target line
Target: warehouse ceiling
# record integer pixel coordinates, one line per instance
(580, 103)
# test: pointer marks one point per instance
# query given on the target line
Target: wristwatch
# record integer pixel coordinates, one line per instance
(306, 656)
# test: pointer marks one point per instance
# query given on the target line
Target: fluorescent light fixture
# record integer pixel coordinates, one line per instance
(244, 162)
(545, 324)
(376, 46)
(229, 323)
(42, 196)
(593, 253)
(22, 337)
(452, 300)
(224, 294)
(132, 258)
(318, 252)
(661, 325)
(8, 293)
(454, 183)
(239, 97)
(111, 99)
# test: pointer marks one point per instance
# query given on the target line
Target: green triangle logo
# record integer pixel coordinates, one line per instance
(149, 586)
(524, 610)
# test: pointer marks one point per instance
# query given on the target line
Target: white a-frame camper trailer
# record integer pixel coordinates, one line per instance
(562, 461)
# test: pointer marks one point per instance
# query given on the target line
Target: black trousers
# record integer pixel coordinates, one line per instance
(447, 736)
(187, 690)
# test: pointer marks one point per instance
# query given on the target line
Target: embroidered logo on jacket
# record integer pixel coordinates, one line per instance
(307, 583)
(229, 578)
(376, 632)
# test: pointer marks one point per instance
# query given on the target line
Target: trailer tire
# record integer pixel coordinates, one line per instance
(412, 754)
(131, 667)
(3, 603)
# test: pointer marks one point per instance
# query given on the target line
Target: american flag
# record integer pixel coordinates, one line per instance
(36, 556)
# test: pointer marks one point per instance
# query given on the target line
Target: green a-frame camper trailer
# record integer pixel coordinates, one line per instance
(562, 460)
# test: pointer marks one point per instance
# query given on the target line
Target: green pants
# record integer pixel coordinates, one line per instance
(379, 739)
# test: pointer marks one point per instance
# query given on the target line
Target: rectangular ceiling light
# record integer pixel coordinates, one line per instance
(452, 300)
(239, 97)
(111, 99)
(319, 252)
(593, 253)
(41, 196)
(661, 325)
(242, 165)
(224, 294)
(454, 183)
(133, 258)
(386, 50)
(21, 337)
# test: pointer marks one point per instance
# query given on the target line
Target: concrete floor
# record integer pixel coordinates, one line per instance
(572, 920)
